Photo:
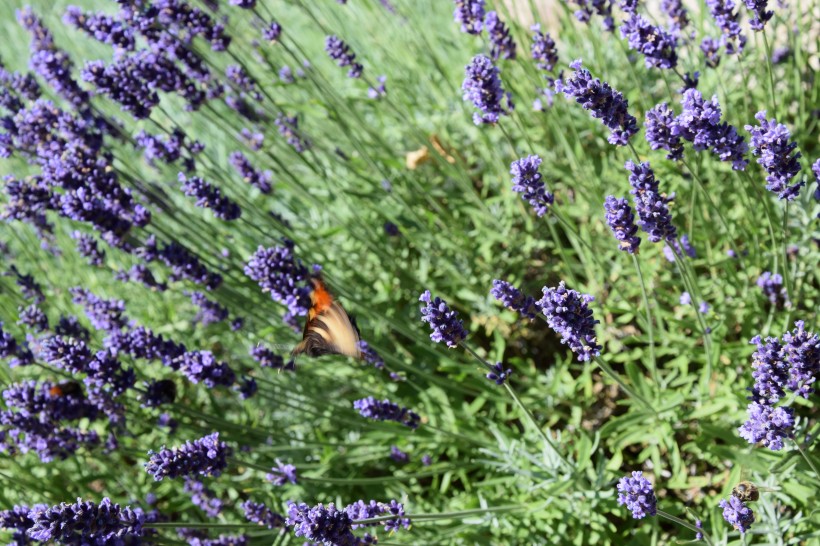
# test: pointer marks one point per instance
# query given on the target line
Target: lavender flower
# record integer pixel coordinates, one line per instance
(30, 288)
(319, 524)
(482, 87)
(206, 456)
(247, 388)
(253, 140)
(183, 263)
(289, 128)
(677, 14)
(760, 13)
(659, 122)
(203, 497)
(771, 371)
(685, 298)
(258, 179)
(257, 512)
(69, 354)
(88, 248)
(528, 182)
(18, 520)
(380, 90)
(569, 315)
(444, 322)
(654, 43)
(651, 205)
(209, 310)
(242, 80)
(281, 474)
(267, 358)
(588, 8)
(272, 32)
(602, 101)
(340, 52)
(816, 170)
(774, 151)
(802, 351)
(736, 513)
(543, 50)
(244, 4)
(621, 221)
(280, 273)
(209, 196)
(711, 49)
(202, 366)
(385, 410)
(772, 286)
(33, 317)
(699, 123)
(499, 374)
(87, 523)
(723, 11)
(105, 315)
(470, 13)
(768, 425)
(638, 495)
(512, 298)
(361, 510)
(781, 54)
(501, 43)
(370, 355)
(398, 455)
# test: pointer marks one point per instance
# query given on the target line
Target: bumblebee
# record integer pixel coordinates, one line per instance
(746, 491)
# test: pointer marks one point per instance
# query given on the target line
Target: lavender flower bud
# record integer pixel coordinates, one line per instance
(651, 205)
(569, 315)
(774, 151)
(528, 182)
(512, 298)
(737, 513)
(257, 512)
(482, 87)
(385, 410)
(654, 43)
(637, 494)
(470, 13)
(209, 196)
(444, 322)
(340, 52)
(501, 43)
(621, 221)
(659, 122)
(281, 474)
(206, 456)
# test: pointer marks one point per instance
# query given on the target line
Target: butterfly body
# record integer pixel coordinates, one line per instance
(329, 329)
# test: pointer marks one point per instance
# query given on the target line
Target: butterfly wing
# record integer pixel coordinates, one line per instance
(329, 329)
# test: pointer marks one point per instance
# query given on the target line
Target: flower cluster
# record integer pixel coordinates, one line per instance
(621, 221)
(482, 87)
(699, 123)
(280, 273)
(360, 510)
(499, 374)
(210, 197)
(723, 11)
(443, 321)
(760, 12)
(651, 205)
(602, 101)
(254, 177)
(470, 13)
(569, 315)
(209, 310)
(501, 43)
(529, 183)
(85, 522)
(203, 367)
(776, 154)
(543, 50)
(654, 43)
(385, 410)
(659, 123)
(289, 129)
(340, 52)
(637, 494)
(512, 298)
(771, 284)
(203, 497)
(325, 525)
(257, 512)
(281, 474)
(588, 8)
(207, 456)
(736, 513)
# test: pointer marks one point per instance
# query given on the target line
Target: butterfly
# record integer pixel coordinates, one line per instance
(329, 329)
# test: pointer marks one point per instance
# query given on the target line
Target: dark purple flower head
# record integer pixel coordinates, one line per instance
(183, 263)
(103, 28)
(815, 168)
(659, 122)
(482, 87)
(499, 374)
(105, 315)
(588, 8)
(272, 32)
(256, 178)
(209, 196)
(444, 322)
(512, 298)
(281, 474)
(30, 288)
(772, 286)
(776, 153)
(279, 272)
(637, 494)
(266, 357)
(501, 43)
(768, 425)
(802, 351)
(760, 13)
(543, 50)
(253, 140)
(370, 355)
(677, 14)
(203, 497)
(257, 512)
(320, 524)
(209, 310)
(244, 4)
(202, 366)
(699, 123)
(651, 205)
(711, 51)
(728, 20)
(654, 43)
(529, 183)
(288, 127)
(736, 513)
(247, 387)
(158, 393)
(88, 248)
(207, 456)
(33, 317)
(602, 101)
(569, 315)
(18, 519)
(69, 354)
(385, 410)
(87, 523)
(398, 455)
(621, 221)
(243, 81)
(470, 13)
(771, 371)
(340, 52)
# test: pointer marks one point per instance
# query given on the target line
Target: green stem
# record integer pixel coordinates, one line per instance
(617, 379)
(807, 459)
(451, 515)
(686, 524)
(654, 364)
(769, 67)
